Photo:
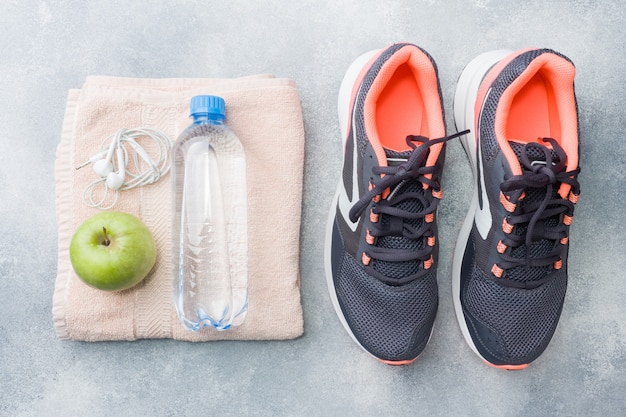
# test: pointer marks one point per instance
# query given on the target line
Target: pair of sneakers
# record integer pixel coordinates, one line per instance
(516, 115)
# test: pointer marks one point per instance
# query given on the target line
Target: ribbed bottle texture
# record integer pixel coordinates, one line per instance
(210, 239)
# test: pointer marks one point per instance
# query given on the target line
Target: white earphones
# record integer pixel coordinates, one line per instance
(103, 166)
(113, 173)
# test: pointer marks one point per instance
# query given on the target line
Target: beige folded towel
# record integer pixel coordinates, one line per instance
(265, 114)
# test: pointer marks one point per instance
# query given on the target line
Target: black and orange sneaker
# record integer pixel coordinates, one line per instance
(381, 244)
(510, 263)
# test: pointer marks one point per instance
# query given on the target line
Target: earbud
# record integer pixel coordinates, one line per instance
(115, 180)
(102, 167)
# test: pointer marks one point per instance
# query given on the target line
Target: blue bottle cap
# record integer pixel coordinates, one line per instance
(212, 105)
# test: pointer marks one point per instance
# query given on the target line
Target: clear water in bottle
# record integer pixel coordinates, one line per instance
(210, 240)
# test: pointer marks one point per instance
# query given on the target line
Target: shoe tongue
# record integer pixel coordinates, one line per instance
(395, 158)
(534, 153)
(399, 270)
(536, 156)
(533, 195)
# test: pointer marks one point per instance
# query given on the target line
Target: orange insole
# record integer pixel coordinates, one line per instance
(533, 112)
(400, 110)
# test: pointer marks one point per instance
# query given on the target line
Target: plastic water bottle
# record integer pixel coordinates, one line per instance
(210, 240)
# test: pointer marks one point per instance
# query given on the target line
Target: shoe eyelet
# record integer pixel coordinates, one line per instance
(428, 263)
(373, 216)
(506, 226)
(501, 248)
(497, 271)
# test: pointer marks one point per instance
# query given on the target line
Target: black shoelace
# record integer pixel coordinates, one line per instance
(538, 220)
(413, 169)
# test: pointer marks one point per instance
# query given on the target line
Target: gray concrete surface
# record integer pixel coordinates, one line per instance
(48, 47)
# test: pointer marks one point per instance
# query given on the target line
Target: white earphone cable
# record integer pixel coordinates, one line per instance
(140, 168)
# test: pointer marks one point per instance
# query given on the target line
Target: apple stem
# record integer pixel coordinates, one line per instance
(106, 242)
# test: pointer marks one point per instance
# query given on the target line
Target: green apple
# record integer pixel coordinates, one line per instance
(112, 251)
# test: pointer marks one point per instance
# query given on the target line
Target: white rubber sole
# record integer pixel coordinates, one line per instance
(343, 108)
(464, 101)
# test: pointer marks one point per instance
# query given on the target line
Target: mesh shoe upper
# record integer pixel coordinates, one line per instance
(514, 280)
(393, 323)
(531, 317)
(383, 246)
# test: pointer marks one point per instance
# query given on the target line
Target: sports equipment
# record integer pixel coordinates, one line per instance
(381, 243)
(510, 262)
